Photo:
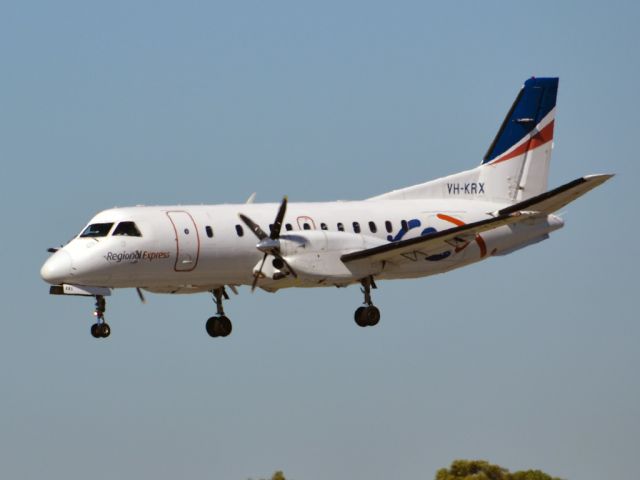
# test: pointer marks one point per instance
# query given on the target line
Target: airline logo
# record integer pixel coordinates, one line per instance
(135, 256)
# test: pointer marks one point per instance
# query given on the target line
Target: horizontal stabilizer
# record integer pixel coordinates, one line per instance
(436, 240)
(555, 199)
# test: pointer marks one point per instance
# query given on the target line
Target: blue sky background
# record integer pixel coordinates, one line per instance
(530, 361)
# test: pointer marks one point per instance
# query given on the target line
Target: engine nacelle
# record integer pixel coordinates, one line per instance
(315, 255)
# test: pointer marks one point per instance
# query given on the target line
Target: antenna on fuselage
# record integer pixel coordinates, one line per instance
(141, 295)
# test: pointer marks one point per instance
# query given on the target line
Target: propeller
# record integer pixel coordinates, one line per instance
(268, 244)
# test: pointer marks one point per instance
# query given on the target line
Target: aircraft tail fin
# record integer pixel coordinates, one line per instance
(516, 165)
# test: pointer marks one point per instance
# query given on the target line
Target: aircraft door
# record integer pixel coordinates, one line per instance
(187, 241)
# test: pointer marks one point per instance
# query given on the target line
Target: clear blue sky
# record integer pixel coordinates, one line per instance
(530, 361)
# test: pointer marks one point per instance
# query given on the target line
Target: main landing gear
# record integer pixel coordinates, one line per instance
(100, 329)
(368, 315)
(219, 325)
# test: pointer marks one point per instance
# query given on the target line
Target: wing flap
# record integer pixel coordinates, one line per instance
(434, 241)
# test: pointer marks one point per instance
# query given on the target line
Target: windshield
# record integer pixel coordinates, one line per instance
(97, 230)
(128, 229)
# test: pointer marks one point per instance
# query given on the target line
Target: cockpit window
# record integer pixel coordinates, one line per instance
(97, 230)
(128, 229)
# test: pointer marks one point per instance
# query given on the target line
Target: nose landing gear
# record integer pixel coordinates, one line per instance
(219, 325)
(100, 329)
(368, 315)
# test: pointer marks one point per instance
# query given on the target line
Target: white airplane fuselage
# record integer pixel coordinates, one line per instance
(186, 249)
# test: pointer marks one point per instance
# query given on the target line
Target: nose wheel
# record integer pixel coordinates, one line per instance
(367, 315)
(219, 325)
(100, 329)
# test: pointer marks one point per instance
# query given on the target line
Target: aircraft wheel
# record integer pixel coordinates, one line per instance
(212, 327)
(105, 330)
(225, 326)
(95, 330)
(359, 317)
(367, 316)
(372, 314)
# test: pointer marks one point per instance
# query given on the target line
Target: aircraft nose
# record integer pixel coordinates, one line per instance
(57, 268)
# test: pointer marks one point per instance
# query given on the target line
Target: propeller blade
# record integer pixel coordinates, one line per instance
(141, 296)
(256, 275)
(277, 225)
(253, 226)
(52, 250)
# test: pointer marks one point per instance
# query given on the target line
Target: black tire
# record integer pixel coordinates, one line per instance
(372, 315)
(225, 326)
(212, 327)
(360, 317)
(105, 330)
(95, 333)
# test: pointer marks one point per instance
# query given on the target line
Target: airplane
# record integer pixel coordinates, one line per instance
(494, 209)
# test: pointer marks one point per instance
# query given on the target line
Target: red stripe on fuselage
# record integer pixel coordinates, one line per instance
(543, 136)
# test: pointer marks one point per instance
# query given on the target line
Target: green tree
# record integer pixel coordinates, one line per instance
(532, 475)
(483, 470)
(277, 475)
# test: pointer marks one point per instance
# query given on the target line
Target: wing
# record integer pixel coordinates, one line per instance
(557, 198)
(437, 240)
(542, 204)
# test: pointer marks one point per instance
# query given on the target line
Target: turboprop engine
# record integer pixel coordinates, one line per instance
(314, 256)
(309, 257)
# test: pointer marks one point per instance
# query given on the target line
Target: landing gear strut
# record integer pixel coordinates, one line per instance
(100, 329)
(219, 325)
(368, 315)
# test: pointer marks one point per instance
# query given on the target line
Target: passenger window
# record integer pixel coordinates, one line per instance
(372, 227)
(340, 226)
(97, 230)
(288, 227)
(323, 226)
(388, 226)
(306, 226)
(356, 227)
(405, 226)
(209, 231)
(239, 230)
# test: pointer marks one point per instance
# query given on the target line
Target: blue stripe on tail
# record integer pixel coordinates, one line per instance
(536, 99)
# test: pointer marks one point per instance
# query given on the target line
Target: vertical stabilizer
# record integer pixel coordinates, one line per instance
(516, 166)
